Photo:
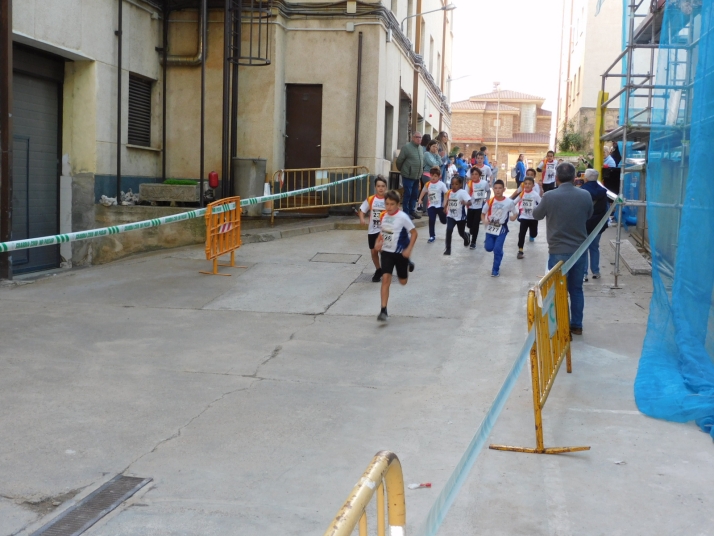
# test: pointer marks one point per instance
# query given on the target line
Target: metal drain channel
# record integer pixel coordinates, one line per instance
(93, 507)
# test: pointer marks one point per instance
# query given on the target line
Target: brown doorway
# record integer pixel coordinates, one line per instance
(303, 129)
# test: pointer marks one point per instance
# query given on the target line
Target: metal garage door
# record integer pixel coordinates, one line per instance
(35, 196)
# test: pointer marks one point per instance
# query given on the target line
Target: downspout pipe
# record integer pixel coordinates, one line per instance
(234, 64)
(204, 36)
(164, 84)
(5, 134)
(202, 45)
(225, 124)
(358, 100)
(119, 36)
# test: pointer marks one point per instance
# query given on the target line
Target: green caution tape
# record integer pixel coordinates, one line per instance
(118, 229)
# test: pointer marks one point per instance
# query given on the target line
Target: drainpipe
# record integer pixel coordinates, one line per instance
(204, 36)
(237, 17)
(164, 83)
(225, 147)
(5, 134)
(202, 45)
(443, 65)
(417, 68)
(359, 95)
(119, 36)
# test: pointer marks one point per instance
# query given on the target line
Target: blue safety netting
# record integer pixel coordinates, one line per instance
(675, 380)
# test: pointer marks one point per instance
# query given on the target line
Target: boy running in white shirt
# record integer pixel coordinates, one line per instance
(526, 202)
(480, 191)
(496, 221)
(395, 243)
(486, 171)
(456, 202)
(373, 206)
(435, 190)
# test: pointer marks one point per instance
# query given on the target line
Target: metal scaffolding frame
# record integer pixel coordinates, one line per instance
(640, 96)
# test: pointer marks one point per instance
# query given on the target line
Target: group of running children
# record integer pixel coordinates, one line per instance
(392, 235)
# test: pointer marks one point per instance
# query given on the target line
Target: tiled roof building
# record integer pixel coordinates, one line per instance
(524, 126)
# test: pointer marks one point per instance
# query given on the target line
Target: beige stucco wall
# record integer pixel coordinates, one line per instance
(596, 43)
(84, 32)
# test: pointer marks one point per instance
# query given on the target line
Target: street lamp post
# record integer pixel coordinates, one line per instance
(497, 87)
(449, 7)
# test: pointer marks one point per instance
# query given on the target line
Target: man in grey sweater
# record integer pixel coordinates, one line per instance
(410, 164)
(567, 209)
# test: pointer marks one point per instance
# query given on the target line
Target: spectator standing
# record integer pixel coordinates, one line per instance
(462, 166)
(410, 164)
(431, 159)
(600, 208)
(443, 139)
(567, 210)
(520, 170)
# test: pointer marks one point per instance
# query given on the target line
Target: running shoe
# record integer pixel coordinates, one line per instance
(495, 274)
(596, 276)
(431, 240)
(377, 277)
(411, 266)
(447, 251)
(473, 246)
(415, 216)
(586, 279)
(531, 239)
(383, 315)
(467, 240)
(520, 255)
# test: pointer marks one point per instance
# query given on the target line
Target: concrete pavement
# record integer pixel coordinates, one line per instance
(256, 401)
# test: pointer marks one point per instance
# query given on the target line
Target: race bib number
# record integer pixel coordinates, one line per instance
(479, 195)
(527, 206)
(493, 228)
(453, 207)
(550, 172)
(376, 221)
(433, 196)
(388, 237)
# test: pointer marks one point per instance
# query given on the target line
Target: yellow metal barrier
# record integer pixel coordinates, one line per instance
(288, 180)
(222, 232)
(384, 472)
(549, 312)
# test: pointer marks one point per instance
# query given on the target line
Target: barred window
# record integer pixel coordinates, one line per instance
(139, 111)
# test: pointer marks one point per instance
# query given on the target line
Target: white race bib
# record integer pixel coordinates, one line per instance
(550, 172)
(433, 198)
(493, 229)
(376, 221)
(479, 195)
(453, 207)
(388, 237)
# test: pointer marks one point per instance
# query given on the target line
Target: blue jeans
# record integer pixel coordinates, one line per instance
(495, 243)
(411, 194)
(594, 251)
(575, 286)
(433, 213)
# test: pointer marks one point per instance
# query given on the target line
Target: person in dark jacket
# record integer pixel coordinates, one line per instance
(600, 208)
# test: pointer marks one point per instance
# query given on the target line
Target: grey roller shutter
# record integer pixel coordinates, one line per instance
(139, 111)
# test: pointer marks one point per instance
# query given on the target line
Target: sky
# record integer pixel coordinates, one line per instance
(514, 42)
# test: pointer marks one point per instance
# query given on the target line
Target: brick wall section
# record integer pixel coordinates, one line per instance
(466, 125)
(543, 126)
(506, 130)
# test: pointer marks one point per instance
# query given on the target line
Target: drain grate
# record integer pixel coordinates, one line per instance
(340, 258)
(93, 507)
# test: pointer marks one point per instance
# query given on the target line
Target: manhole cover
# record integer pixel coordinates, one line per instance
(93, 507)
(340, 258)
